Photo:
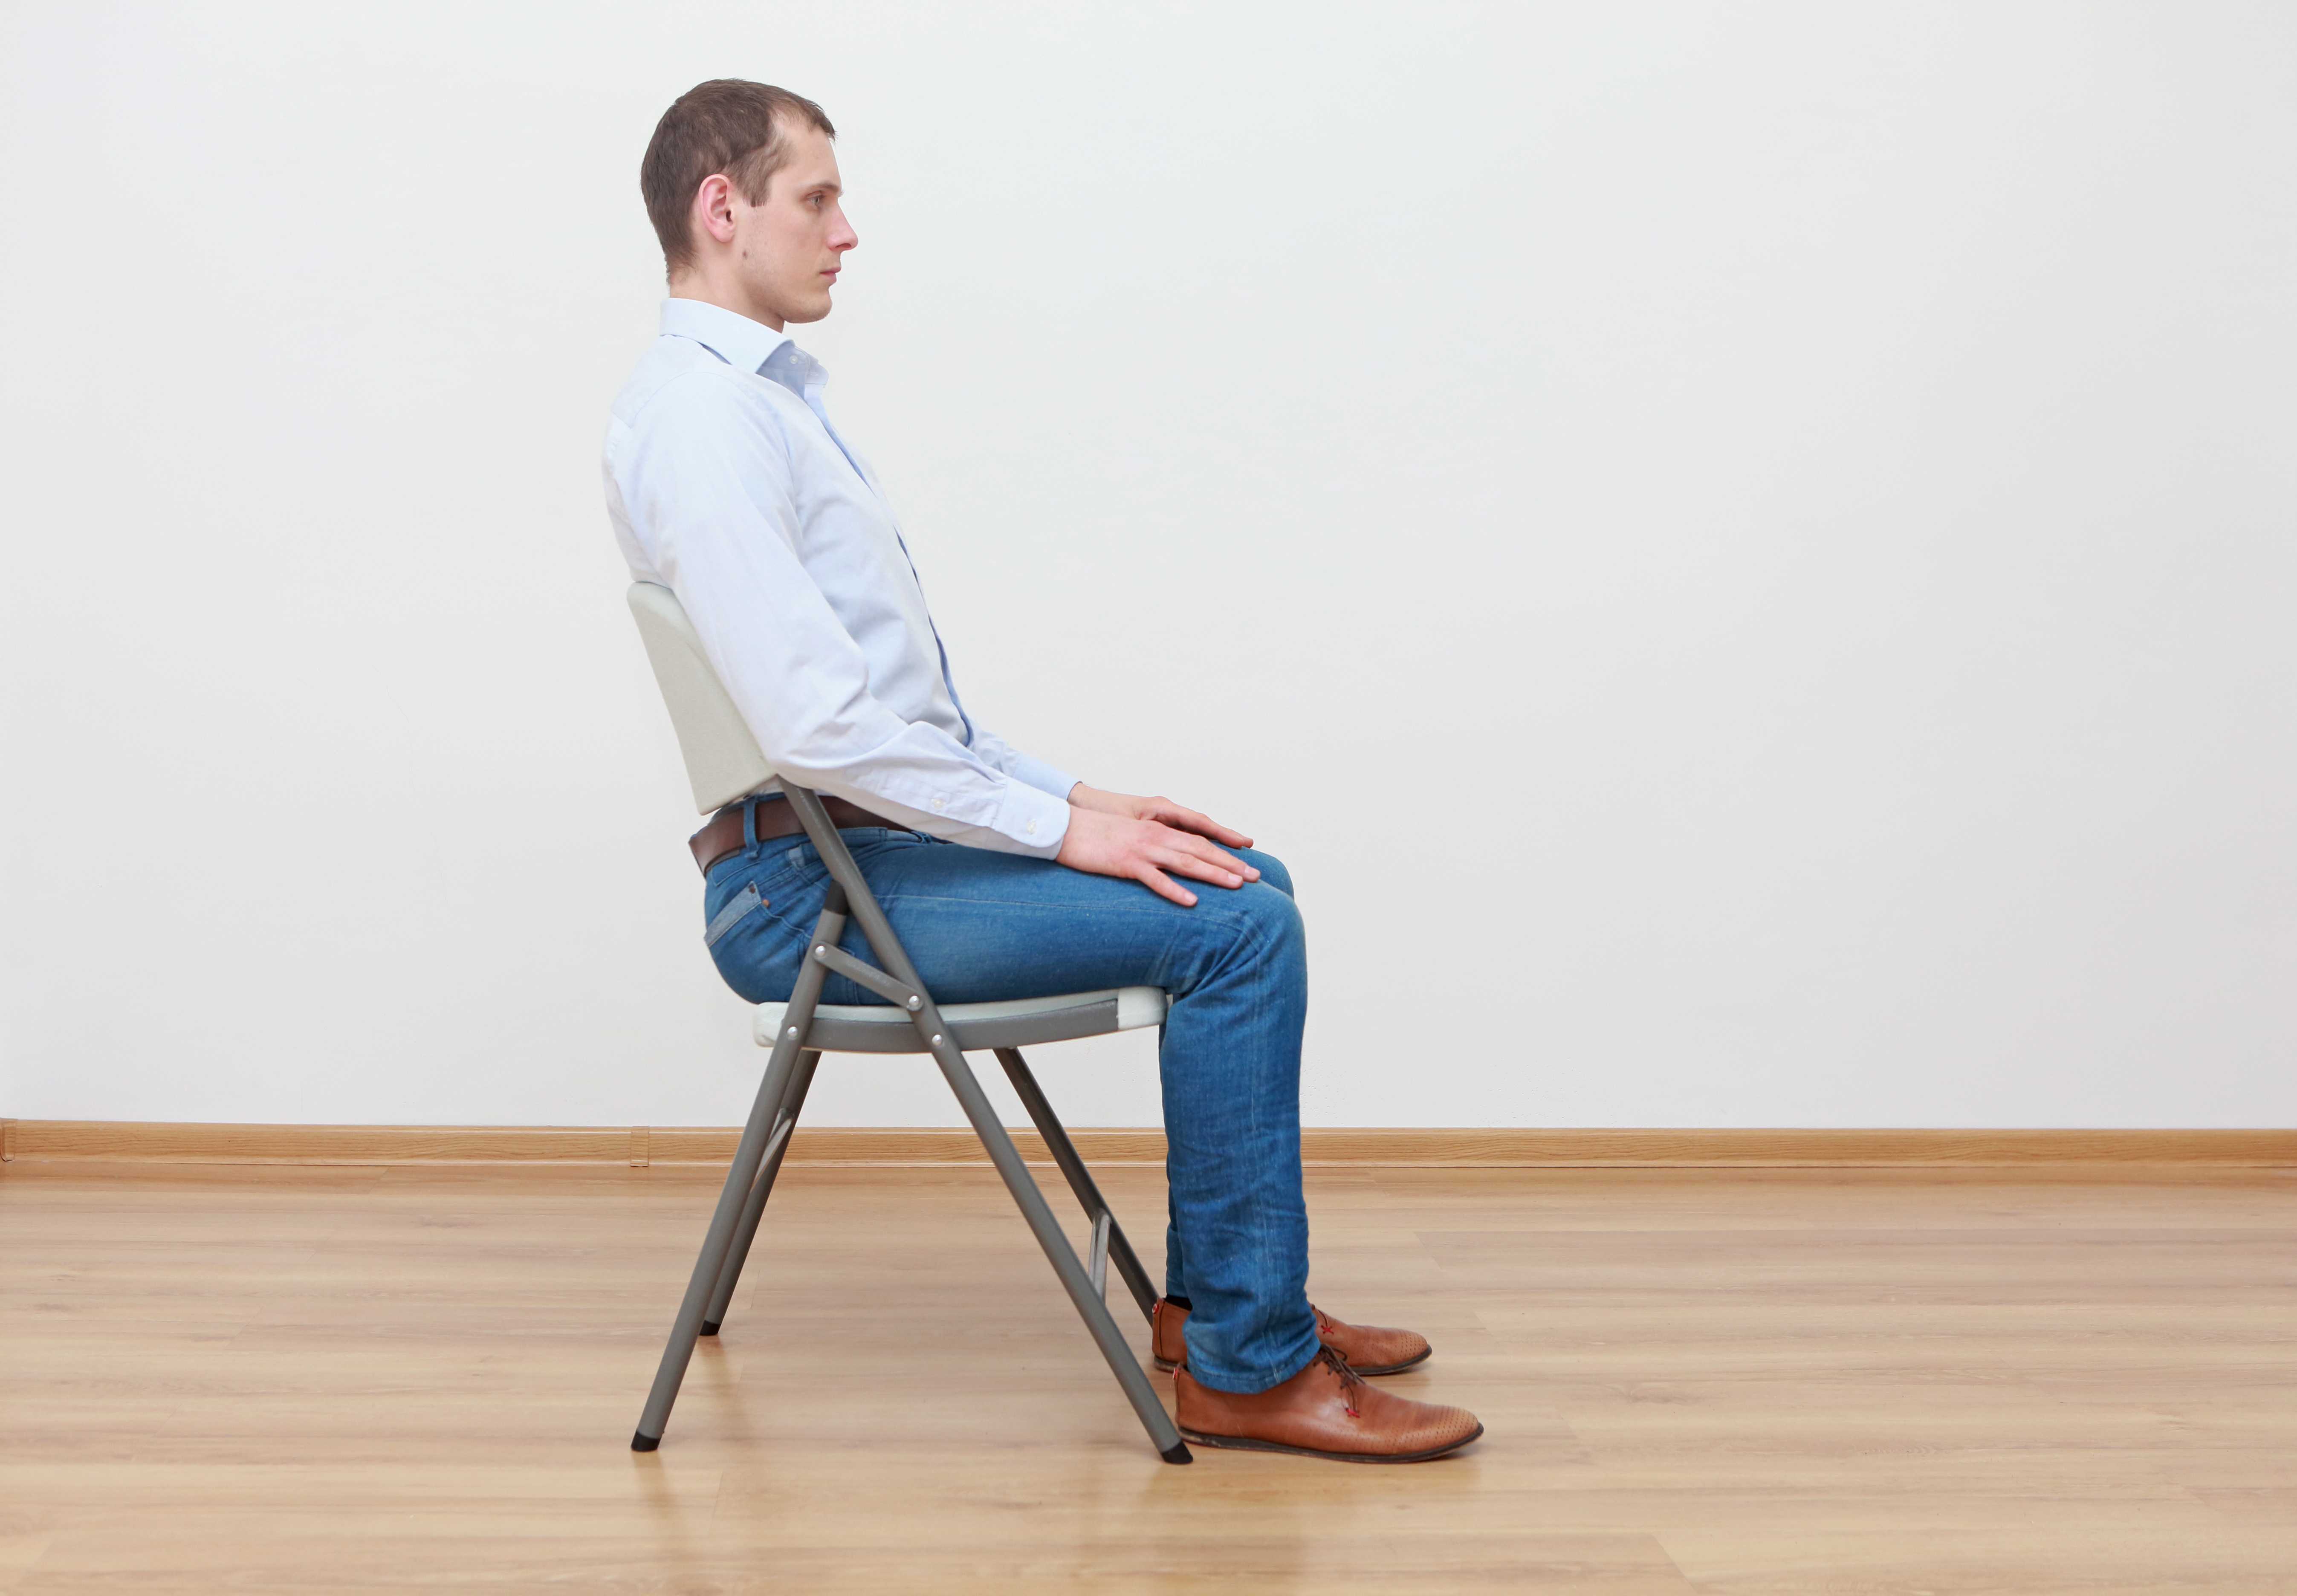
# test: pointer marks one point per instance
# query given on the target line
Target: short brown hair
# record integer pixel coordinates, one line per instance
(726, 124)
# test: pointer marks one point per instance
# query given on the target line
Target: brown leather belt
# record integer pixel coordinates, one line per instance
(777, 818)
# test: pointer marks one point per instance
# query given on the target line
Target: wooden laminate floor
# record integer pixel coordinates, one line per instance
(272, 1380)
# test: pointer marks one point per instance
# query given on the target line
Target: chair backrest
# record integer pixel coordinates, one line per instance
(722, 759)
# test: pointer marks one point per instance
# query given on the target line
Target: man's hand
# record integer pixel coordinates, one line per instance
(1140, 839)
(1163, 810)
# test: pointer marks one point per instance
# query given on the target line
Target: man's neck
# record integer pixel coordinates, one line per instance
(707, 288)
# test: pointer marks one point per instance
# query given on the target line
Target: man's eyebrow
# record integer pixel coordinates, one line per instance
(829, 184)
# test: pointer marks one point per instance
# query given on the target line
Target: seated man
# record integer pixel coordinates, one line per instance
(1004, 877)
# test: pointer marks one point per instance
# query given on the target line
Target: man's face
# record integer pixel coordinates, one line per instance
(787, 251)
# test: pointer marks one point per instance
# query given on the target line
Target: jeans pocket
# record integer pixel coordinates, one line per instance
(739, 905)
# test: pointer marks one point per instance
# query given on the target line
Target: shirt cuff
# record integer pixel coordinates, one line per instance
(1041, 775)
(1037, 821)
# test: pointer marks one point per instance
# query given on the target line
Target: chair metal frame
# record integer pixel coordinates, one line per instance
(781, 1095)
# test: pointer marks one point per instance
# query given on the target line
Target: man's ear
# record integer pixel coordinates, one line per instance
(714, 210)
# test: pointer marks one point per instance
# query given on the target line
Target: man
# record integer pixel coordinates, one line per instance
(727, 481)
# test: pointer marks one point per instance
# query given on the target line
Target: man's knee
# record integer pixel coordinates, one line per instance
(1255, 927)
(1272, 872)
(1268, 920)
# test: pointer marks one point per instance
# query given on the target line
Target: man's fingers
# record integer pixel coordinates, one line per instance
(1205, 863)
(1226, 862)
(1206, 826)
(1202, 825)
(1164, 886)
(1199, 848)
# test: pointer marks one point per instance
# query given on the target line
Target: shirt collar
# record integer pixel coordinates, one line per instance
(734, 338)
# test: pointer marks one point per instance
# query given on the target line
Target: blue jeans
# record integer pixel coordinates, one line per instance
(982, 926)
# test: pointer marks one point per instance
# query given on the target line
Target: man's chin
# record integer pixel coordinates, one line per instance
(802, 314)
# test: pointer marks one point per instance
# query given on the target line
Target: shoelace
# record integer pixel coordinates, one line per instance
(1351, 1382)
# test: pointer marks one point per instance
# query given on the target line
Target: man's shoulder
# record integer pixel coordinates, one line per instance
(678, 379)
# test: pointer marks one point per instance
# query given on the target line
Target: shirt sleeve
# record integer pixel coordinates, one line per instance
(998, 754)
(706, 483)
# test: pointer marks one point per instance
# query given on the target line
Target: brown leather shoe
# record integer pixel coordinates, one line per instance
(1164, 1342)
(1326, 1411)
(1368, 1348)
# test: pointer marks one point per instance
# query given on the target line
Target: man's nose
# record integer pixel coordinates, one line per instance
(841, 237)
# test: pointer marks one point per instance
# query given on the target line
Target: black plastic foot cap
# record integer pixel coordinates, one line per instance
(642, 1442)
(1180, 1453)
(710, 1327)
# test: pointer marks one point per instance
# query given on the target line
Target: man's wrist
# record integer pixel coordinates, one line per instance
(1085, 795)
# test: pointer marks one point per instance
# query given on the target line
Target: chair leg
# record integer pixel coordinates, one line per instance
(1080, 1181)
(745, 1234)
(895, 960)
(1123, 1362)
(741, 1179)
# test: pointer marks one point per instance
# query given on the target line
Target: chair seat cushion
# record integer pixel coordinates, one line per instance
(978, 1027)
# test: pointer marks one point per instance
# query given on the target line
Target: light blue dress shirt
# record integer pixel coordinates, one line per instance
(727, 484)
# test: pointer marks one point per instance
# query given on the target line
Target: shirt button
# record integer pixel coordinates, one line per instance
(940, 804)
(1033, 828)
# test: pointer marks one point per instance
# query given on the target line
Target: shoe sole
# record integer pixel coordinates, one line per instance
(1167, 1365)
(1246, 1443)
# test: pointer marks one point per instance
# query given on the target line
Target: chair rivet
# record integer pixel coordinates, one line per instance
(936, 1042)
(793, 1029)
(916, 1004)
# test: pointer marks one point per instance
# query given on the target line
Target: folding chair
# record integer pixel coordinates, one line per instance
(725, 763)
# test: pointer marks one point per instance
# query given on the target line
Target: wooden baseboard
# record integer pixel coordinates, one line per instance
(150, 1142)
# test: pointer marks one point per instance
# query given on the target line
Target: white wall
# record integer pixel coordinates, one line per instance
(1743, 553)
